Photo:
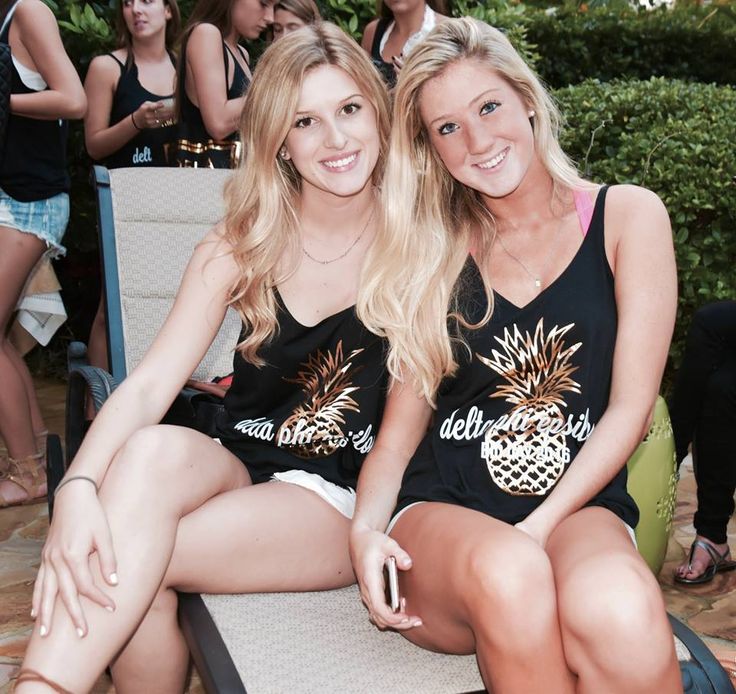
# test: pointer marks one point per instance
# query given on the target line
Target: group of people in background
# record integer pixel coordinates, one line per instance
(389, 258)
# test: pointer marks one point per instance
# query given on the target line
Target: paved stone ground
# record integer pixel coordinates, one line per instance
(710, 610)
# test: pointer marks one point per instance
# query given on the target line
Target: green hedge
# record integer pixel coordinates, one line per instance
(697, 44)
(675, 138)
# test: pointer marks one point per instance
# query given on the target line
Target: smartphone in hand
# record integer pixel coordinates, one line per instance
(391, 580)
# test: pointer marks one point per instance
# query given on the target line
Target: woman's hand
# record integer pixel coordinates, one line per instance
(79, 528)
(151, 114)
(369, 550)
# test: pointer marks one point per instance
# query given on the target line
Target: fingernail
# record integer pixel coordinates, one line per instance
(109, 608)
(114, 578)
(80, 632)
(43, 630)
(418, 623)
(33, 614)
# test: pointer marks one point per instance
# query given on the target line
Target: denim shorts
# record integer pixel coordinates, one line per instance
(46, 219)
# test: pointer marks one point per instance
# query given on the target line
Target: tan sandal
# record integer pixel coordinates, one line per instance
(29, 474)
(33, 676)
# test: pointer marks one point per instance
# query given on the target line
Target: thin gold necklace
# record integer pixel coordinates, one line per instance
(350, 247)
(537, 279)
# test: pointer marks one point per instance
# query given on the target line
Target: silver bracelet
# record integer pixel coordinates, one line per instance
(71, 479)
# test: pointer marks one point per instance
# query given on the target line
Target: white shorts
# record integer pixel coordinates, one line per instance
(340, 498)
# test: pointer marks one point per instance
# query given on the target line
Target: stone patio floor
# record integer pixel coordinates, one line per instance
(710, 610)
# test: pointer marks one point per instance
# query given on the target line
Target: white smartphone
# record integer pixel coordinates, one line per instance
(392, 584)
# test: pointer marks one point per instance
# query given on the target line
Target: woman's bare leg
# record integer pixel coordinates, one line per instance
(612, 616)
(160, 475)
(97, 343)
(19, 253)
(269, 537)
(491, 593)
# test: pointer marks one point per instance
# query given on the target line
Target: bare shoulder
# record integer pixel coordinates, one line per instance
(214, 254)
(105, 68)
(633, 210)
(368, 33)
(35, 16)
(31, 10)
(205, 34)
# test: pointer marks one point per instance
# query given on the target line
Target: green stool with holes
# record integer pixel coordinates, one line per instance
(653, 485)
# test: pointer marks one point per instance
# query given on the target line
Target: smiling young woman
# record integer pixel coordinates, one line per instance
(533, 310)
(269, 507)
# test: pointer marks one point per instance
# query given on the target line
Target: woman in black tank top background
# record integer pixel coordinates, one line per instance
(213, 76)
(130, 93)
(513, 524)
(268, 509)
(34, 209)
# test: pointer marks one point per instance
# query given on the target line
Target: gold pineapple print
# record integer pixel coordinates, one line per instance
(528, 456)
(313, 430)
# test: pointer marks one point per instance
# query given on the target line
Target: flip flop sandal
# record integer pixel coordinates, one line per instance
(720, 563)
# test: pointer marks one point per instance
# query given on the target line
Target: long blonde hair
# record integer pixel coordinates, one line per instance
(431, 221)
(261, 222)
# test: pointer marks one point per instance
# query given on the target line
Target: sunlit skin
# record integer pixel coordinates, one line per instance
(488, 142)
(334, 142)
(251, 17)
(145, 17)
(284, 22)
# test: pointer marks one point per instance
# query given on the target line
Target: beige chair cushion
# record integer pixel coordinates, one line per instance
(160, 216)
(323, 642)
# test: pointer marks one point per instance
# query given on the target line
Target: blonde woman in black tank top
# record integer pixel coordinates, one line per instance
(269, 507)
(513, 526)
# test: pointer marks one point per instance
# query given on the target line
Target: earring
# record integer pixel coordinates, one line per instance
(532, 113)
(284, 154)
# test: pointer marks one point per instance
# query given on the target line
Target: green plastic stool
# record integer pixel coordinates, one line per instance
(653, 485)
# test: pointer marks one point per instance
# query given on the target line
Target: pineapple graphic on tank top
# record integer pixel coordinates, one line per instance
(529, 455)
(326, 381)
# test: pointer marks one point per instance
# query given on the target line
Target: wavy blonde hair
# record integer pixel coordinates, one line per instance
(431, 220)
(261, 198)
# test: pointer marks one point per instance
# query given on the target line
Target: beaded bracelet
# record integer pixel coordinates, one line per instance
(75, 477)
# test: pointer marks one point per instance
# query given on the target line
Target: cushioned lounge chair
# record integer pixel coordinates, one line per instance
(150, 220)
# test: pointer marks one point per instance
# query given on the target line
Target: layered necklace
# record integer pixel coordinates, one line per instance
(349, 248)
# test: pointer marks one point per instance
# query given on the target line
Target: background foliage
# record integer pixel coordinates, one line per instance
(675, 138)
(673, 135)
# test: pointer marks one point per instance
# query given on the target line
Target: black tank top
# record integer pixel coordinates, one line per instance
(315, 406)
(527, 395)
(386, 69)
(191, 125)
(33, 163)
(147, 148)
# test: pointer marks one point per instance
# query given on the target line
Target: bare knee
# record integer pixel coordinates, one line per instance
(613, 615)
(149, 461)
(512, 584)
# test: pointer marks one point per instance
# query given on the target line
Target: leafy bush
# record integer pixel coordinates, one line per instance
(687, 43)
(675, 138)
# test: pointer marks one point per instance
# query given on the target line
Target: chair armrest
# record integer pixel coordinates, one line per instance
(83, 380)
